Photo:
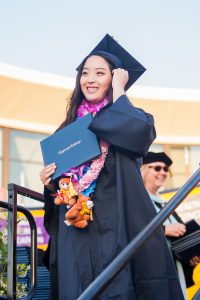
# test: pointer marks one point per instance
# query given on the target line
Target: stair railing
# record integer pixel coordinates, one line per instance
(13, 191)
(33, 230)
(99, 284)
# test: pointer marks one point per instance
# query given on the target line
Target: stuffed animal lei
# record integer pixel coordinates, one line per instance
(77, 185)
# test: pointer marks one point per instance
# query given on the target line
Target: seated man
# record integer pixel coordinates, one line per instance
(155, 172)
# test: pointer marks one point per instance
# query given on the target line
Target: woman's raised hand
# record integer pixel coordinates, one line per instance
(45, 176)
(119, 81)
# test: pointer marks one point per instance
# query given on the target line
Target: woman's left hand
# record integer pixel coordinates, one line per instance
(119, 81)
(45, 176)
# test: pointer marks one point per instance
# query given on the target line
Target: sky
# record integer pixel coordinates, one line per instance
(54, 36)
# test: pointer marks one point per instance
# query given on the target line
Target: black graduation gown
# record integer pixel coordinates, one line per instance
(121, 209)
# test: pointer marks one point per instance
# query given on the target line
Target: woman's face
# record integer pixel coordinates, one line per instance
(155, 175)
(96, 78)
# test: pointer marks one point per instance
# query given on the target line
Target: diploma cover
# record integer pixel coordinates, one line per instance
(71, 146)
(187, 246)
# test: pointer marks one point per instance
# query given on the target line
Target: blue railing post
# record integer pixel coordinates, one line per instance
(12, 229)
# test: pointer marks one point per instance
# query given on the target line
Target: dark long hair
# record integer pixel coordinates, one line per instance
(77, 95)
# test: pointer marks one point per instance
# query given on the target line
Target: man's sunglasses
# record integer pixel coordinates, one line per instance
(159, 168)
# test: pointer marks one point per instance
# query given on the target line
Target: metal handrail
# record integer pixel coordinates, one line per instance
(99, 284)
(13, 191)
(33, 229)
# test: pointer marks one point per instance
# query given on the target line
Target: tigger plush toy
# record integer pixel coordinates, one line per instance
(80, 213)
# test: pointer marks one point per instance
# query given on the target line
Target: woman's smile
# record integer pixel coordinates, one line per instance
(92, 89)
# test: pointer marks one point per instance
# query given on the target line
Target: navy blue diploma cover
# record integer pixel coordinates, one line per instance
(71, 146)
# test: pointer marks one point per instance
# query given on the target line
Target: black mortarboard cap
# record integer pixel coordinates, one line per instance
(157, 157)
(109, 48)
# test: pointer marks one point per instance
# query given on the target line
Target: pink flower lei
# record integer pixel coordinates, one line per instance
(83, 181)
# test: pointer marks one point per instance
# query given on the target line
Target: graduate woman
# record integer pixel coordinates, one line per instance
(80, 251)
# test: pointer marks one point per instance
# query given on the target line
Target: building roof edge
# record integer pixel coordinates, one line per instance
(64, 82)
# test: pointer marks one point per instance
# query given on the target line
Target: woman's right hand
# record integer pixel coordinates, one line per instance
(45, 176)
(175, 229)
(119, 81)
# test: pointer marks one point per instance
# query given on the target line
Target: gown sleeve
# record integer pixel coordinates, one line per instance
(125, 126)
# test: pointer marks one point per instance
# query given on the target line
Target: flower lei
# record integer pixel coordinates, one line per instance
(84, 177)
